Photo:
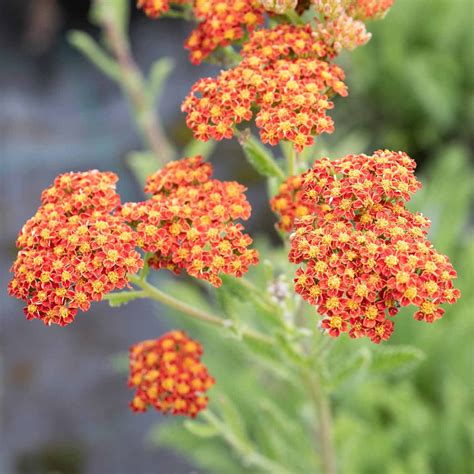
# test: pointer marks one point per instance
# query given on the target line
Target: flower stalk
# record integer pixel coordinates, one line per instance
(150, 291)
(134, 85)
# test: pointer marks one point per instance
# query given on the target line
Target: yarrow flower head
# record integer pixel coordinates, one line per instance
(156, 8)
(364, 254)
(288, 203)
(73, 251)
(167, 374)
(189, 223)
(282, 77)
(221, 22)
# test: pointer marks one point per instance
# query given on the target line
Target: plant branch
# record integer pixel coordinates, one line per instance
(134, 85)
(154, 293)
(321, 402)
(292, 163)
(243, 448)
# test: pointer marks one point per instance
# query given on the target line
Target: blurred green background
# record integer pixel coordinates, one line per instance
(411, 88)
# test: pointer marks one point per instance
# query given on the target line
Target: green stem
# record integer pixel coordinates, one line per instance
(231, 55)
(120, 295)
(146, 266)
(265, 302)
(134, 86)
(322, 404)
(154, 293)
(292, 163)
(242, 447)
(294, 17)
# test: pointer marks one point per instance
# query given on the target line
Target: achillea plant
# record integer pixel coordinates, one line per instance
(357, 254)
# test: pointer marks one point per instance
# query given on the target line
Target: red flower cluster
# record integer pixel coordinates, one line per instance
(156, 8)
(288, 203)
(168, 374)
(282, 76)
(73, 250)
(365, 254)
(189, 222)
(221, 22)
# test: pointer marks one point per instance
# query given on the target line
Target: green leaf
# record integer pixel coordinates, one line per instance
(344, 370)
(392, 359)
(159, 73)
(85, 44)
(194, 147)
(232, 419)
(116, 11)
(202, 430)
(260, 158)
(143, 164)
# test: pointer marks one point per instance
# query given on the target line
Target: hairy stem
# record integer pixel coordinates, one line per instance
(322, 404)
(134, 86)
(243, 447)
(154, 293)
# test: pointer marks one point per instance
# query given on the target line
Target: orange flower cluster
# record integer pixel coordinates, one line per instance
(156, 8)
(221, 22)
(189, 222)
(73, 251)
(288, 203)
(168, 375)
(364, 253)
(282, 76)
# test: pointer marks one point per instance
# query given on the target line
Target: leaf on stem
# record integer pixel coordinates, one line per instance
(202, 430)
(259, 157)
(85, 44)
(159, 73)
(347, 369)
(142, 163)
(393, 359)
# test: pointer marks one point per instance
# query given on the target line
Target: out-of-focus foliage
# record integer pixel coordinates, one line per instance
(412, 85)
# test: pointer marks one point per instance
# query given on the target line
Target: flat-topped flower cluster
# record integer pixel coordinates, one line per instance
(189, 222)
(73, 250)
(168, 375)
(82, 244)
(364, 254)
